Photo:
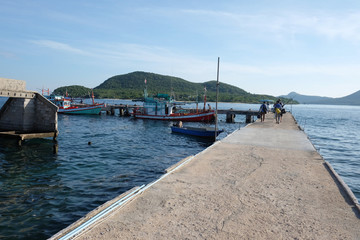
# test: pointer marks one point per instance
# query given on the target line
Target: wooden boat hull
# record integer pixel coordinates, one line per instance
(89, 110)
(198, 132)
(190, 117)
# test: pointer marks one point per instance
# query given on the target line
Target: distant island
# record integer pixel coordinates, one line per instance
(352, 99)
(131, 86)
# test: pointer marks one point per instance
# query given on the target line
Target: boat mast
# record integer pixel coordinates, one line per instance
(45, 91)
(217, 96)
(92, 97)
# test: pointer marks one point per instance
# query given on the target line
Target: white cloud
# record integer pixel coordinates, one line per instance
(295, 69)
(58, 46)
(344, 25)
(7, 54)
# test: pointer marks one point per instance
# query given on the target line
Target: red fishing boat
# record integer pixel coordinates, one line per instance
(163, 107)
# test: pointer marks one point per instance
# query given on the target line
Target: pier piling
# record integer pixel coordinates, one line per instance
(230, 117)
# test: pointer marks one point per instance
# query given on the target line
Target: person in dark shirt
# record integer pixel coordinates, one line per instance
(263, 111)
(277, 109)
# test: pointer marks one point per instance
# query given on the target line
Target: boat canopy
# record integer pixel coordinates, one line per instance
(162, 95)
(266, 100)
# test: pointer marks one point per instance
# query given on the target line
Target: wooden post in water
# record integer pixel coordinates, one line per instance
(230, 117)
(249, 118)
(121, 111)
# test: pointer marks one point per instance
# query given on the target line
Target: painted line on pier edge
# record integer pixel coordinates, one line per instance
(120, 203)
(101, 214)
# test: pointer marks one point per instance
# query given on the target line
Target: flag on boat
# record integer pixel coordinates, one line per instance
(145, 81)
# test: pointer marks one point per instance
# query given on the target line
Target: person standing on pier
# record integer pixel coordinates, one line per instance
(263, 111)
(277, 109)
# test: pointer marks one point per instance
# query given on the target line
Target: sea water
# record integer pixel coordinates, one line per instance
(100, 157)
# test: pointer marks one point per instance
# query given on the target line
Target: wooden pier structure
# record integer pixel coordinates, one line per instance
(231, 113)
(264, 181)
(126, 110)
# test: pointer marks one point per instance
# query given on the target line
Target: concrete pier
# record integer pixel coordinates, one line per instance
(26, 114)
(265, 181)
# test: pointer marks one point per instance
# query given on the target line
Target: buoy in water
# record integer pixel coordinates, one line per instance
(89, 143)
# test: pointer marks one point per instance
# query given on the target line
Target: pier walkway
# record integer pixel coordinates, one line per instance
(265, 181)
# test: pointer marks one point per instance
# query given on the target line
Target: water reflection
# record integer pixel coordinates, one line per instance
(28, 181)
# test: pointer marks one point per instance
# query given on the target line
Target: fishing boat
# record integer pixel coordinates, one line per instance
(66, 106)
(164, 107)
(205, 132)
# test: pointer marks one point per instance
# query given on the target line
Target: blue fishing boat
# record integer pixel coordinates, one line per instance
(206, 132)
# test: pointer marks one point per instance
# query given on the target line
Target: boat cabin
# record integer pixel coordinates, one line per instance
(160, 104)
(59, 101)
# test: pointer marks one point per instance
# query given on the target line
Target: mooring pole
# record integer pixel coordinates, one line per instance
(217, 96)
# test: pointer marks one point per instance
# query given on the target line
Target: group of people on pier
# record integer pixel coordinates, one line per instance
(278, 109)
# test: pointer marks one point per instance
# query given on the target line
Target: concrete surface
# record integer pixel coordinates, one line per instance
(265, 181)
(12, 84)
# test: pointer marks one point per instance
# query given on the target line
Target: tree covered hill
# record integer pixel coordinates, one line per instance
(74, 91)
(131, 86)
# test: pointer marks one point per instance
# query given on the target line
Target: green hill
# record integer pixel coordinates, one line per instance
(74, 91)
(131, 86)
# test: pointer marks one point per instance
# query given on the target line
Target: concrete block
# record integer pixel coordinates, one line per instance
(12, 85)
(33, 115)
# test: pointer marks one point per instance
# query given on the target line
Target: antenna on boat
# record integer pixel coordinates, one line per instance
(217, 96)
(172, 93)
(204, 97)
(145, 90)
(197, 101)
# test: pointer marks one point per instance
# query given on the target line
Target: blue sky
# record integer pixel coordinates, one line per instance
(265, 47)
